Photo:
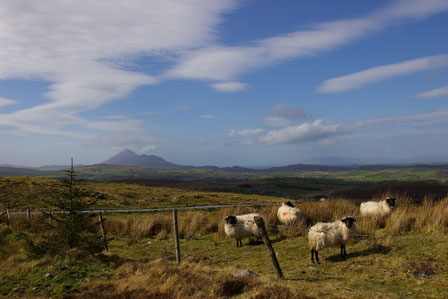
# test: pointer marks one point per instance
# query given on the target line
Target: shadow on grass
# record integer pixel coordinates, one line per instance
(256, 242)
(253, 243)
(380, 249)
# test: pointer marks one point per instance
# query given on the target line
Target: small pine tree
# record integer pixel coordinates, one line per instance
(70, 229)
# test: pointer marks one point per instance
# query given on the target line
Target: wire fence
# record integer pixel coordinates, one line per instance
(273, 228)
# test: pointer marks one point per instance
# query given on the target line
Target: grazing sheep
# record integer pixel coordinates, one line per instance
(377, 208)
(240, 227)
(287, 213)
(246, 217)
(322, 235)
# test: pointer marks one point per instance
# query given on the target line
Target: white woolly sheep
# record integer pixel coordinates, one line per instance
(287, 213)
(246, 217)
(377, 208)
(241, 226)
(322, 235)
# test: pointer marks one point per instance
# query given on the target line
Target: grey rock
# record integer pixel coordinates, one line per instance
(244, 273)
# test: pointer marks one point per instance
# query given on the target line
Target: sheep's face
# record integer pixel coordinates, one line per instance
(230, 219)
(288, 203)
(390, 201)
(349, 221)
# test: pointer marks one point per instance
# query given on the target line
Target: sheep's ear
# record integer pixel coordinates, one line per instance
(343, 219)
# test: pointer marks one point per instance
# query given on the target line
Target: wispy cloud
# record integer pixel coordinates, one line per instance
(81, 49)
(229, 86)
(383, 72)
(225, 63)
(433, 93)
(6, 102)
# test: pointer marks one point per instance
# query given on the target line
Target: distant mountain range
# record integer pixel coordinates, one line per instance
(344, 161)
(129, 158)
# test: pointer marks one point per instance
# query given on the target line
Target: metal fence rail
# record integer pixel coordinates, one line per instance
(146, 210)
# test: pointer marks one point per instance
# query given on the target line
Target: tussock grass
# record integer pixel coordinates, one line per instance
(162, 279)
(327, 211)
(431, 217)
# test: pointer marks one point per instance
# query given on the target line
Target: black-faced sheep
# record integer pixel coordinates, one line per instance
(287, 213)
(240, 227)
(322, 235)
(377, 208)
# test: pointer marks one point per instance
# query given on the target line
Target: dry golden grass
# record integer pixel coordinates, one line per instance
(430, 217)
(162, 279)
(327, 211)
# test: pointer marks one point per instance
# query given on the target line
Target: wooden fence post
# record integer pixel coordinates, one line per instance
(103, 233)
(264, 235)
(9, 218)
(28, 214)
(176, 235)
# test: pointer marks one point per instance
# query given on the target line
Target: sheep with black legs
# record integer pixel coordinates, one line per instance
(332, 234)
(240, 227)
(378, 208)
(287, 213)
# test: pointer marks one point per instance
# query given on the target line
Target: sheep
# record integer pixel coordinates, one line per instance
(241, 226)
(246, 217)
(322, 235)
(375, 208)
(287, 213)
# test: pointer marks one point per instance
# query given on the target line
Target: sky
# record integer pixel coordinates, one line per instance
(223, 82)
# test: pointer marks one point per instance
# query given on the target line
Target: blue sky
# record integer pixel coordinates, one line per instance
(223, 82)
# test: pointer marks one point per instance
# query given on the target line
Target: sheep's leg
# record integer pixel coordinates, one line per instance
(343, 251)
(317, 256)
(312, 256)
(237, 244)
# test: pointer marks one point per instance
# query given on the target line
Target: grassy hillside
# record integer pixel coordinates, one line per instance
(404, 256)
(22, 192)
(35, 192)
(216, 175)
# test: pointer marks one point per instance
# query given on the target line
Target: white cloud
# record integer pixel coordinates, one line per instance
(208, 116)
(433, 93)
(318, 131)
(225, 63)
(82, 49)
(313, 131)
(383, 72)
(232, 133)
(6, 102)
(229, 86)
